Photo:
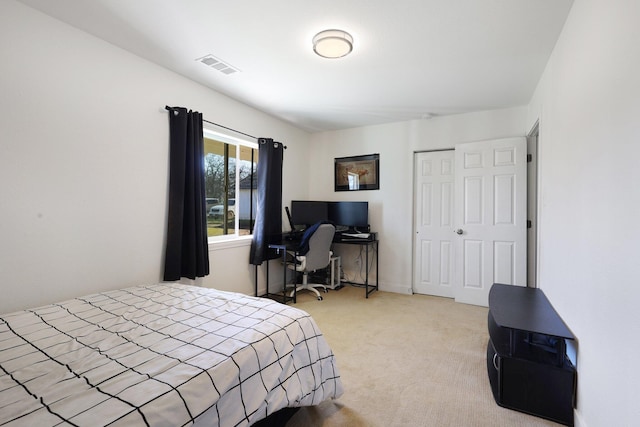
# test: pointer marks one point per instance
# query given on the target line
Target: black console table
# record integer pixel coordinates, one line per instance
(528, 367)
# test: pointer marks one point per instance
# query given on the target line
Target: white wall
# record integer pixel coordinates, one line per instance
(391, 207)
(83, 181)
(84, 158)
(588, 102)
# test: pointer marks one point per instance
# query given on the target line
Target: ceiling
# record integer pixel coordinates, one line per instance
(412, 59)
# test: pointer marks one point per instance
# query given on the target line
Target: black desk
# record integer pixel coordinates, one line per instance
(284, 246)
(288, 245)
(371, 241)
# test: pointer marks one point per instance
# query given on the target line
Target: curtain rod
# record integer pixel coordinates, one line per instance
(166, 107)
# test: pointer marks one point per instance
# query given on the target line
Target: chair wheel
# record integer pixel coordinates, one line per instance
(326, 291)
(319, 298)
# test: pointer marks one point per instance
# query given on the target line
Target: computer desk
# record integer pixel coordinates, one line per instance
(289, 245)
(282, 247)
(370, 242)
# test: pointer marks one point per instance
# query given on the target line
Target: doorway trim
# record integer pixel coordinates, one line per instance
(532, 205)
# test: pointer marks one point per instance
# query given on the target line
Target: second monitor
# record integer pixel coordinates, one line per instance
(307, 212)
(350, 215)
(344, 215)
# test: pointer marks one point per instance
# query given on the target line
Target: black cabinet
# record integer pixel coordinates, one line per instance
(528, 367)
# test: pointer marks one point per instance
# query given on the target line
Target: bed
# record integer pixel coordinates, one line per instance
(161, 355)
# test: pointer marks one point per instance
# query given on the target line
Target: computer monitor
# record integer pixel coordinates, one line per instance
(308, 212)
(350, 215)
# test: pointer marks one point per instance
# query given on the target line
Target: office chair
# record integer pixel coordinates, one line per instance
(318, 238)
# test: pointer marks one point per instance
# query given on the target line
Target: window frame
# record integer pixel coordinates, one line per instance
(237, 142)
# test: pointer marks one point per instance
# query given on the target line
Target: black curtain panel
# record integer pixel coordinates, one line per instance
(187, 253)
(268, 226)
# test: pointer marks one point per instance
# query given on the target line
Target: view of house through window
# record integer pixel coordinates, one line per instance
(230, 185)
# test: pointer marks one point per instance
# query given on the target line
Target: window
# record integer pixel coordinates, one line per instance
(230, 185)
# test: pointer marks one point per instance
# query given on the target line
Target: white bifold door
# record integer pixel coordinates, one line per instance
(470, 219)
(434, 223)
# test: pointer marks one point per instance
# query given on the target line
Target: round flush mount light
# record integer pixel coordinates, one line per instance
(332, 43)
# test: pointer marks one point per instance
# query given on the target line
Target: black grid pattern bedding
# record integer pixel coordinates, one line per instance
(161, 355)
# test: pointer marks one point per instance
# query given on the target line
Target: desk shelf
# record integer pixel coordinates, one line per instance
(371, 241)
(281, 296)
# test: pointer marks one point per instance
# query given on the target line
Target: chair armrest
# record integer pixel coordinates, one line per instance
(298, 264)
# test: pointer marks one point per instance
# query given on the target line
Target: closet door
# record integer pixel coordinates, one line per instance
(490, 217)
(433, 223)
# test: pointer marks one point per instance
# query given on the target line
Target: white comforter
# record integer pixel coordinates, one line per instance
(161, 355)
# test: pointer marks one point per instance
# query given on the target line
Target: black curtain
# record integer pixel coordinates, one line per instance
(187, 252)
(268, 226)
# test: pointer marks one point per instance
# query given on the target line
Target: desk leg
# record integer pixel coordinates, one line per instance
(284, 277)
(377, 265)
(366, 286)
(366, 274)
(267, 279)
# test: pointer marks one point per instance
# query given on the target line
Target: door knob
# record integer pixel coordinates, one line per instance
(458, 231)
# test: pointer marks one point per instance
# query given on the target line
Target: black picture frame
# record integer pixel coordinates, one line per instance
(357, 173)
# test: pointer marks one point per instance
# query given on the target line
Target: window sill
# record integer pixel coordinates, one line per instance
(235, 242)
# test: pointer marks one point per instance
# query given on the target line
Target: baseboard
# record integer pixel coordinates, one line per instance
(577, 419)
(396, 288)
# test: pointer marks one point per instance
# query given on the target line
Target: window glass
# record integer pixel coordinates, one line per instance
(230, 185)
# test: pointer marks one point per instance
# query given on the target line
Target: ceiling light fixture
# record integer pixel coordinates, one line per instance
(332, 43)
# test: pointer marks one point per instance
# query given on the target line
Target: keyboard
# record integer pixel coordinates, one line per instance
(357, 235)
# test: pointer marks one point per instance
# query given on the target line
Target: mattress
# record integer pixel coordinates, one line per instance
(161, 355)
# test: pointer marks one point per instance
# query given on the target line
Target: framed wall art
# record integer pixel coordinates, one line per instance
(357, 173)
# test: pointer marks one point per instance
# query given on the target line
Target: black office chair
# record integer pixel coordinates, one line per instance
(318, 238)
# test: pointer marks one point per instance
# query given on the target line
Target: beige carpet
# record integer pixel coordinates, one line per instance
(406, 360)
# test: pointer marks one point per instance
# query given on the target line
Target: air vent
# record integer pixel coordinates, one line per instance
(217, 64)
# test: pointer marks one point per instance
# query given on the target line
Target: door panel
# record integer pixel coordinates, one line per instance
(473, 263)
(503, 260)
(473, 211)
(505, 207)
(433, 223)
(491, 217)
